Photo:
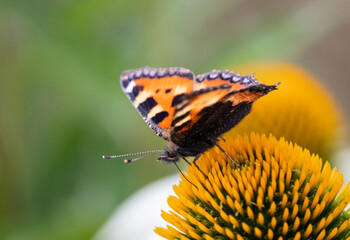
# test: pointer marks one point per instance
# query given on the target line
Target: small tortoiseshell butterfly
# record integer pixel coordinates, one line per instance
(190, 112)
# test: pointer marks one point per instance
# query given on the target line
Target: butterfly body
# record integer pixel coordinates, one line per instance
(190, 112)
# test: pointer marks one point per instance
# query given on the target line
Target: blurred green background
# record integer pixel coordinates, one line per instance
(61, 107)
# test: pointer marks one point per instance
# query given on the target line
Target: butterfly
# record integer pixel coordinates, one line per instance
(190, 112)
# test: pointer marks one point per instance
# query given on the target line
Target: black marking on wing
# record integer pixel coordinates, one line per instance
(262, 88)
(168, 90)
(147, 105)
(177, 99)
(179, 118)
(131, 96)
(125, 83)
(135, 92)
(205, 90)
(159, 117)
(179, 108)
(178, 128)
(137, 89)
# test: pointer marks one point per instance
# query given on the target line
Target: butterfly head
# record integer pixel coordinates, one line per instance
(169, 155)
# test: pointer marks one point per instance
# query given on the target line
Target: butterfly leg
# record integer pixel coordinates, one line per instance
(194, 162)
(221, 137)
(226, 154)
(187, 161)
(184, 175)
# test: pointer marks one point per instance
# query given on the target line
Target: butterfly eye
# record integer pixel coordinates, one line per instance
(172, 154)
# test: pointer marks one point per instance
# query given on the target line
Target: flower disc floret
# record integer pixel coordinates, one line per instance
(278, 191)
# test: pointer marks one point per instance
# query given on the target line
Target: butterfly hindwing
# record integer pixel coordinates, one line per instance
(216, 105)
(187, 112)
(220, 77)
(155, 92)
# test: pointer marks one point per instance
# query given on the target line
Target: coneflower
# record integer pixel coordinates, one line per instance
(278, 191)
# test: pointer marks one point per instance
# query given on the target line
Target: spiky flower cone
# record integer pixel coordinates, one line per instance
(279, 191)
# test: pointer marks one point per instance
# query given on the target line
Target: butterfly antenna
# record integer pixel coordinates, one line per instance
(134, 159)
(149, 153)
(184, 175)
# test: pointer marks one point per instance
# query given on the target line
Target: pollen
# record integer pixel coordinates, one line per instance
(278, 191)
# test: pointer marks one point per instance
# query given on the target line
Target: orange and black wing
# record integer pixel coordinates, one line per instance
(220, 77)
(154, 92)
(216, 105)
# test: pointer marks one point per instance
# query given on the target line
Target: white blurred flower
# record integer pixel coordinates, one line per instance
(341, 161)
(138, 215)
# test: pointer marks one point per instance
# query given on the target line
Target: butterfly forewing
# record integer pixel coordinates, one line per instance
(155, 92)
